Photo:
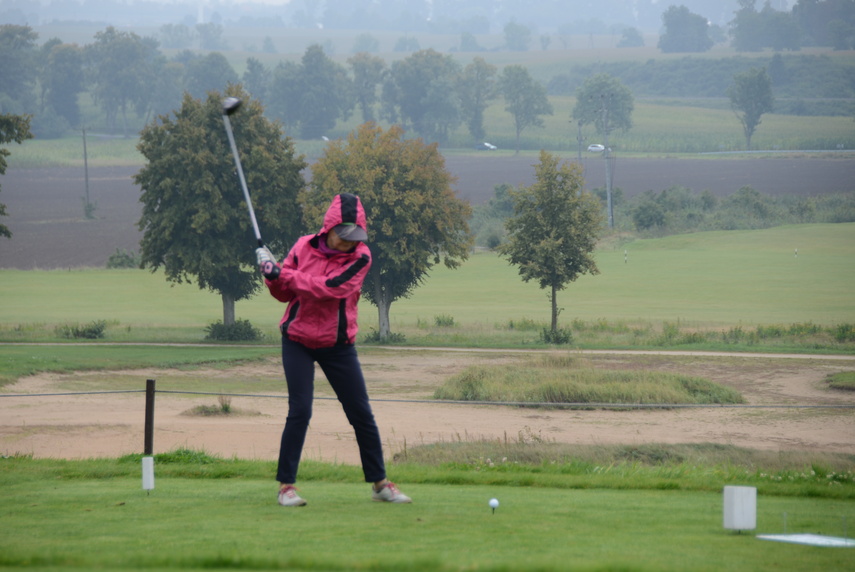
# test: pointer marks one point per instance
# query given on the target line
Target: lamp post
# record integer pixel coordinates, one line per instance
(604, 99)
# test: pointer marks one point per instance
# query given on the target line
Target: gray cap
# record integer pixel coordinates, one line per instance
(351, 232)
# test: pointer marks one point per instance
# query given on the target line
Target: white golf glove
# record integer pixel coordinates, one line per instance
(267, 263)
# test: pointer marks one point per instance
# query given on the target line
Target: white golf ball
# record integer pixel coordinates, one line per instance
(494, 503)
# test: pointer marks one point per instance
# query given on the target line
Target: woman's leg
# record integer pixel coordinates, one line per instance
(341, 366)
(299, 369)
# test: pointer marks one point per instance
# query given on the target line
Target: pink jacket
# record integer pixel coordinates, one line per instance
(322, 290)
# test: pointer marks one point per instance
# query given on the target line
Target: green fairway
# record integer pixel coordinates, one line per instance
(723, 278)
(187, 523)
(782, 275)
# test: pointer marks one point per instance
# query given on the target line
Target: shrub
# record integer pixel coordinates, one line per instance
(91, 331)
(444, 321)
(392, 338)
(845, 333)
(558, 336)
(240, 331)
(124, 259)
(524, 325)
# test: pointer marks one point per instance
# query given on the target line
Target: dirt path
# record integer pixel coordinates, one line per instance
(401, 384)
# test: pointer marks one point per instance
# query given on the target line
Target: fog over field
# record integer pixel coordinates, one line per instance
(477, 16)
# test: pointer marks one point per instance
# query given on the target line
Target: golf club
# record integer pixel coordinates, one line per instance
(231, 105)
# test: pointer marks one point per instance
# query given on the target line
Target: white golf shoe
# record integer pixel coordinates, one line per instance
(288, 496)
(389, 493)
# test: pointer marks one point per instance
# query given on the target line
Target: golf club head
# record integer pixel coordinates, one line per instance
(230, 105)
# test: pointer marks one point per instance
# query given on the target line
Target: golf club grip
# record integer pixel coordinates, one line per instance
(231, 136)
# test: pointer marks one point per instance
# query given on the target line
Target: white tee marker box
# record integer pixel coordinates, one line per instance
(740, 508)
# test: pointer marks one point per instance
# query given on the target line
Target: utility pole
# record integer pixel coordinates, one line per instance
(87, 207)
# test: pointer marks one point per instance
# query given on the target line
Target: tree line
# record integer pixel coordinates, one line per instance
(195, 226)
(428, 92)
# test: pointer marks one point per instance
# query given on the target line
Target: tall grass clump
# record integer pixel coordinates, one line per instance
(92, 331)
(562, 379)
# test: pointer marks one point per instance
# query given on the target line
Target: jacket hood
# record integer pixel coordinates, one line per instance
(344, 209)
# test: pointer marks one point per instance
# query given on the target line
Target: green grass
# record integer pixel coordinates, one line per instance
(702, 279)
(567, 379)
(207, 513)
(22, 360)
(842, 380)
(658, 129)
(694, 282)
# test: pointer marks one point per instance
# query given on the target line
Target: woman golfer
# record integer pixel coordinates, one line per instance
(320, 280)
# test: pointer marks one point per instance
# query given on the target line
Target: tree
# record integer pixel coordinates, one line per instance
(750, 97)
(746, 28)
(123, 73)
(554, 229)
(256, 79)
(477, 87)
(175, 36)
(311, 95)
(420, 91)
(194, 219)
(685, 31)
(17, 63)
(517, 37)
(210, 36)
(62, 79)
(602, 100)
(207, 73)
(326, 93)
(284, 100)
(752, 30)
(12, 128)
(415, 221)
(605, 102)
(368, 72)
(525, 99)
(814, 18)
(631, 38)
(366, 43)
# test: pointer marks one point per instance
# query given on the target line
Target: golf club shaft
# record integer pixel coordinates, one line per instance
(242, 179)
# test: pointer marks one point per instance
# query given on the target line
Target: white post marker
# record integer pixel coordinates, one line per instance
(148, 473)
(740, 508)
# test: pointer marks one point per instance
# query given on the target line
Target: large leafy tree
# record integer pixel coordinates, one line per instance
(476, 86)
(419, 91)
(61, 78)
(12, 128)
(415, 221)
(256, 79)
(124, 72)
(750, 97)
(207, 73)
(517, 37)
(311, 95)
(326, 93)
(525, 99)
(17, 65)
(554, 229)
(284, 99)
(605, 102)
(195, 221)
(685, 31)
(368, 72)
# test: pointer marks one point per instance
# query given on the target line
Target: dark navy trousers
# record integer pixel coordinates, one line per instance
(341, 367)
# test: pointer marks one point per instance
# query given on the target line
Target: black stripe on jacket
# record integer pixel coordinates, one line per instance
(349, 272)
(341, 334)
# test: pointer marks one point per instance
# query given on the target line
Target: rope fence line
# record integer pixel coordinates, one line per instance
(555, 404)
